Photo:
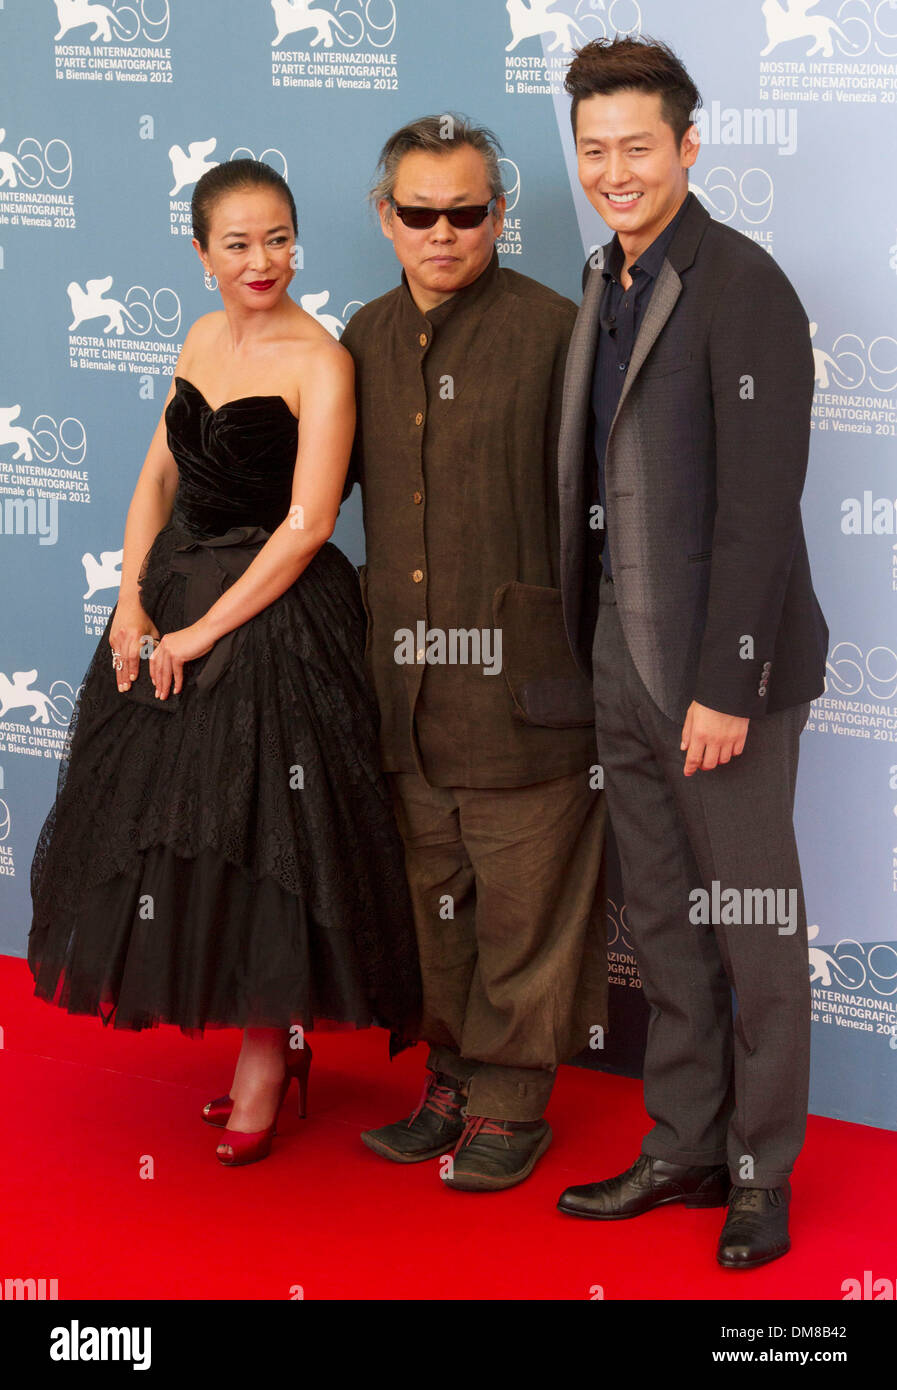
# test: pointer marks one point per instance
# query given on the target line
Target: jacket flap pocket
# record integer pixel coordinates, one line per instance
(666, 363)
(545, 682)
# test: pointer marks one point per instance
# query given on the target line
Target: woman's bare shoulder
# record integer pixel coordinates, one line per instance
(205, 327)
(200, 333)
(314, 350)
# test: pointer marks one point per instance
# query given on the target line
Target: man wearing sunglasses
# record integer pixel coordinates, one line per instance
(486, 721)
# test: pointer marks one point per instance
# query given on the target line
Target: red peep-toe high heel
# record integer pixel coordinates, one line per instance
(245, 1148)
(218, 1111)
(249, 1148)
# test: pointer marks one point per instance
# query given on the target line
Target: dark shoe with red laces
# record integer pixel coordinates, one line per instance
(650, 1182)
(756, 1229)
(493, 1154)
(432, 1129)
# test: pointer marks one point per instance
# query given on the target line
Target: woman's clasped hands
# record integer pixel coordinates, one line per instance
(135, 637)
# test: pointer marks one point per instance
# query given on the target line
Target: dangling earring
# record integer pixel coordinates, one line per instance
(209, 281)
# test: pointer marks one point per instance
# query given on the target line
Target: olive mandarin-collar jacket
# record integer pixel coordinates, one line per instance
(456, 452)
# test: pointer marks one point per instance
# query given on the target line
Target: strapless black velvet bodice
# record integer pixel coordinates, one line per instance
(275, 901)
(235, 463)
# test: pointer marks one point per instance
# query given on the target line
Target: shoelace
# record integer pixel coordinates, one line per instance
(751, 1199)
(478, 1124)
(442, 1100)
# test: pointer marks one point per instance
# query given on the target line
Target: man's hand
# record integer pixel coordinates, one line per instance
(710, 738)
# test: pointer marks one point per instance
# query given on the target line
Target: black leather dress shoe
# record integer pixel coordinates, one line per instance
(494, 1154)
(432, 1129)
(756, 1228)
(649, 1183)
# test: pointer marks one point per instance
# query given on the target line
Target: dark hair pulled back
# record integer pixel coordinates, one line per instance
(230, 177)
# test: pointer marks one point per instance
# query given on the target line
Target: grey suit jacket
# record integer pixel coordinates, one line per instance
(704, 470)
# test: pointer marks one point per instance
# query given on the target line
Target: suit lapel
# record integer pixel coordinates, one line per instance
(680, 256)
(578, 383)
(663, 299)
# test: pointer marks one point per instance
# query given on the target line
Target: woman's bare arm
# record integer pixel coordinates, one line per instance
(150, 509)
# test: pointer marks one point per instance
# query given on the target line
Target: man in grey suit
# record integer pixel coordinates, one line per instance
(687, 593)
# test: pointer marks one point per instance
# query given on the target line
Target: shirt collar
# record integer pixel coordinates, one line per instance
(486, 282)
(653, 256)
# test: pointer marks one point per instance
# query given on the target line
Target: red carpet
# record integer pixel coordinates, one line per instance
(84, 1105)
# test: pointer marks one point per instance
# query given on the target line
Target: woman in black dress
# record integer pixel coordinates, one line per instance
(222, 849)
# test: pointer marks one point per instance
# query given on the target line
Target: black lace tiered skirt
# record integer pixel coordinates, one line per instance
(234, 860)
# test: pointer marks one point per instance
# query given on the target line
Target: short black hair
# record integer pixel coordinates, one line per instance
(640, 65)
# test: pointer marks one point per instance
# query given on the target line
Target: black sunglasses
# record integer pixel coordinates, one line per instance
(463, 218)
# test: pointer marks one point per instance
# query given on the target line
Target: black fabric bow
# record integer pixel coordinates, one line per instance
(209, 564)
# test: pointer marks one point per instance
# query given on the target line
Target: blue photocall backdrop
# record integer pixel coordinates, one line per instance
(109, 114)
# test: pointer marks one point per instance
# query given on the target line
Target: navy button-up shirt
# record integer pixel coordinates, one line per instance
(620, 318)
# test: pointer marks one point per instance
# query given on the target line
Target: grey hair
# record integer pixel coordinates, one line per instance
(437, 135)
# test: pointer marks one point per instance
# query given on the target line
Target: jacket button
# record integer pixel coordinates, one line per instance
(423, 340)
(417, 576)
(417, 497)
(419, 419)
